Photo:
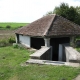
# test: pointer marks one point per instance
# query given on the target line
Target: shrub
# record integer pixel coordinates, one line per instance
(8, 26)
(19, 46)
(11, 40)
(15, 45)
(3, 43)
(77, 43)
(20, 26)
(1, 27)
(7, 42)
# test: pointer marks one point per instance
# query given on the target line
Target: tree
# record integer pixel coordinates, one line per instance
(78, 9)
(77, 19)
(50, 12)
(62, 10)
(71, 13)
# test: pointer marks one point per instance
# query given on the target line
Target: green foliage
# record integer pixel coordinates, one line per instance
(5, 42)
(11, 40)
(68, 12)
(18, 46)
(50, 12)
(8, 26)
(1, 27)
(15, 45)
(77, 19)
(78, 9)
(62, 10)
(77, 45)
(71, 13)
(77, 38)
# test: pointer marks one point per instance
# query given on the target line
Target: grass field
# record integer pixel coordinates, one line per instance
(8, 32)
(13, 25)
(11, 60)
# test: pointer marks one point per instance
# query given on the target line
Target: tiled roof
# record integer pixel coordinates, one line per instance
(50, 25)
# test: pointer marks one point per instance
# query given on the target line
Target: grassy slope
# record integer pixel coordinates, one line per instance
(10, 60)
(13, 25)
(10, 68)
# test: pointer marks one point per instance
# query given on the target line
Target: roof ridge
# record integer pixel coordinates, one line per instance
(69, 20)
(46, 32)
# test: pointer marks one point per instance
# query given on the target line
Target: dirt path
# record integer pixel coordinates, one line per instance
(6, 33)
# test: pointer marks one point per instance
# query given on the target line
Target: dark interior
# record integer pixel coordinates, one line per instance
(54, 42)
(37, 42)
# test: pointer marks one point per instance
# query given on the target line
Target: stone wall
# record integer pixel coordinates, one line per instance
(71, 54)
(43, 54)
(47, 55)
(25, 40)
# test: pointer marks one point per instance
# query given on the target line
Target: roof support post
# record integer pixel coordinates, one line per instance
(47, 42)
(17, 38)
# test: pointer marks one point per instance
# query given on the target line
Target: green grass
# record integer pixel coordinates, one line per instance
(11, 69)
(13, 25)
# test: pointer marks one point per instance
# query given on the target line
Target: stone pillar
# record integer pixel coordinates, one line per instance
(17, 38)
(60, 52)
(72, 41)
(47, 42)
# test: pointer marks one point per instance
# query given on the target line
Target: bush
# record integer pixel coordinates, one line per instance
(15, 45)
(11, 40)
(1, 27)
(3, 43)
(20, 26)
(8, 26)
(19, 46)
(7, 42)
(77, 43)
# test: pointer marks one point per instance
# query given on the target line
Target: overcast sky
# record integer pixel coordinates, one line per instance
(29, 10)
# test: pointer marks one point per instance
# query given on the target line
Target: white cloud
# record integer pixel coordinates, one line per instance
(28, 10)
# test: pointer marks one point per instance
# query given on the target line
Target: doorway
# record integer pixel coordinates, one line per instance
(37, 42)
(54, 42)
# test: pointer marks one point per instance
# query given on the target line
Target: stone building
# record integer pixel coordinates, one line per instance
(51, 30)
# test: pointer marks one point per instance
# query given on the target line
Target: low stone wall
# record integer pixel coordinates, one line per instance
(43, 54)
(71, 54)
(47, 55)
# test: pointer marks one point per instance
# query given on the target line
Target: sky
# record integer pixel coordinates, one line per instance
(27, 11)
